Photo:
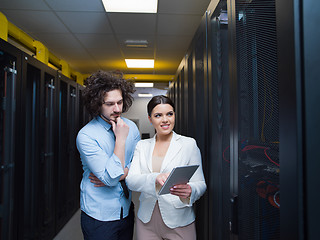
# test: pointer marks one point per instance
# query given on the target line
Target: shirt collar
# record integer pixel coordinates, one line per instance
(106, 125)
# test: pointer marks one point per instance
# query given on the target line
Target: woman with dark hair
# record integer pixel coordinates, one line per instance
(106, 145)
(169, 216)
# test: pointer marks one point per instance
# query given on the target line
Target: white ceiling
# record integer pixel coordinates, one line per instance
(80, 32)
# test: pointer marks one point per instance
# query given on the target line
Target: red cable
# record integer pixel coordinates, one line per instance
(265, 152)
(250, 147)
(223, 154)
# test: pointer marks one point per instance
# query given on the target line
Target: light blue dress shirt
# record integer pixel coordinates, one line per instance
(95, 142)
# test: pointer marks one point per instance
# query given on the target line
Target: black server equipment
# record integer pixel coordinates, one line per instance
(257, 128)
(62, 166)
(219, 153)
(68, 165)
(250, 70)
(40, 174)
(189, 95)
(192, 111)
(40, 155)
(8, 91)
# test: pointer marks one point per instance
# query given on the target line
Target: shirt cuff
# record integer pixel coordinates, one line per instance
(114, 167)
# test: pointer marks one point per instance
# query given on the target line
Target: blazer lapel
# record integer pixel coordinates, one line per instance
(149, 156)
(174, 147)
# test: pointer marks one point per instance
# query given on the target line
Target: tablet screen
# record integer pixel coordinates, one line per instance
(178, 175)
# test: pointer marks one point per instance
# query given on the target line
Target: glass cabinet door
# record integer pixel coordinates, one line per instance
(258, 121)
(220, 146)
(8, 74)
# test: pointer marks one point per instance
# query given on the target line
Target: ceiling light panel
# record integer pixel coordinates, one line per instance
(143, 84)
(140, 63)
(145, 95)
(131, 6)
(136, 43)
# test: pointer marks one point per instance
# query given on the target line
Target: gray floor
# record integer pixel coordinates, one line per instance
(72, 230)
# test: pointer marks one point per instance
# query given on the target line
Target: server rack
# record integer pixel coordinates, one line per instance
(62, 213)
(40, 167)
(200, 92)
(191, 78)
(74, 174)
(190, 131)
(178, 101)
(9, 90)
(260, 70)
(310, 69)
(298, 36)
(219, 180)
(39, 112)
(84, 116)
(68, 165)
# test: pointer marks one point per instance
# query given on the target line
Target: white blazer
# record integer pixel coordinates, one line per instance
(182, 151)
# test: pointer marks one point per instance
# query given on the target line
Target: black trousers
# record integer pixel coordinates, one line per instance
(122, 229)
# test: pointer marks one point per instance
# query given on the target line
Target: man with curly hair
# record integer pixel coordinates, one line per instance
(106, 145)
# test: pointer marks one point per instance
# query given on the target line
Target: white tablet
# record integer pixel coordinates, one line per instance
(178, 175)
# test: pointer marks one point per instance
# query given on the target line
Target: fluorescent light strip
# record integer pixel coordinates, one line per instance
(136, 43)
(140, 63)
(132, 6)
(145, 95)
(143, 84)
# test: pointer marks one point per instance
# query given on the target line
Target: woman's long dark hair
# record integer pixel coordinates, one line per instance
(159, 99)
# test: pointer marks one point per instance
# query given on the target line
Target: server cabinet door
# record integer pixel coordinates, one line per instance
(73, 160)
(220, 144)
(201, 123)
(7, 136)
(32, 160)
(62, 164)
(190, 97)
(257, 133)
(47, 163)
